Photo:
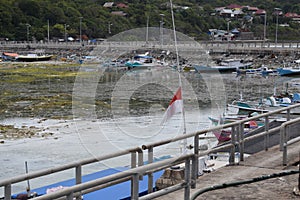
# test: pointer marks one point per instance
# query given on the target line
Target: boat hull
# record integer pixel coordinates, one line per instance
(288, 71)
(34, 58)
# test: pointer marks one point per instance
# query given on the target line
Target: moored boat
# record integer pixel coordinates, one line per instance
(6, 56)
(143, 61)
(288, 71)
(224, 66)
(34, 57)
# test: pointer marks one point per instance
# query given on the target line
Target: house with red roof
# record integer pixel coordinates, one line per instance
(260, 12)
(122, 5)
(234, 6)
(293, 16)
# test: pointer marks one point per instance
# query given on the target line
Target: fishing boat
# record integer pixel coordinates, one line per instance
(143, 61)
(34, 57)
(288, 71)
(262, 71)
(243, 108)
(6, 56)
(224, 135)
(230, 65)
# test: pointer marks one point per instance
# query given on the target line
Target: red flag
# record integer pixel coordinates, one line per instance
(175, 106)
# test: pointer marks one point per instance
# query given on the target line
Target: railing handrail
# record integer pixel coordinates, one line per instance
(185, 136)
(139, 171)
(65, 167)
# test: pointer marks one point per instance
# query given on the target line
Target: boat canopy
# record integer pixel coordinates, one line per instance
(143, 56)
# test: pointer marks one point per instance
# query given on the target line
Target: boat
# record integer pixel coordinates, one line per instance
(243, 108)
(108, 193)
(143, 61)
(6, 56)
(262, 71)
(224, 135)
(33, 57)
(288, 71)
(230, 65)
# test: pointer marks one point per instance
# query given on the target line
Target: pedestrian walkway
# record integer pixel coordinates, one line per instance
(258, 164)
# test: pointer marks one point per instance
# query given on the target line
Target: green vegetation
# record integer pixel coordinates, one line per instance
(28, 19)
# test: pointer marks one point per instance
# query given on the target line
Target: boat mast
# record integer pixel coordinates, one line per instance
(184, 144)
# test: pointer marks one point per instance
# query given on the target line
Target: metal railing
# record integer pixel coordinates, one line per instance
(253, 44)
(138, 168)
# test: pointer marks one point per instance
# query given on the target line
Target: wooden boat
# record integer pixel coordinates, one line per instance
(33, 57)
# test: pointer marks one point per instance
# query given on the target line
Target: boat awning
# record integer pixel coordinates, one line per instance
(142, 56)
(10, 54)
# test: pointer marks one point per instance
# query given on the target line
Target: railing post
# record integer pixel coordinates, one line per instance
(78, 174)
(267, 137)
(140, 158)
(78, 177)
(70, 196)
(7, 192)
(135, 187)
(284, 154)
(133, 159)
(195, 161)
(150, 175)
(282, 136)
(187, 173)
(232, 150)
(288, 115)
(241, 141)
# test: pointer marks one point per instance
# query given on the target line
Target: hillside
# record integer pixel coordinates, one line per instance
(22, 20)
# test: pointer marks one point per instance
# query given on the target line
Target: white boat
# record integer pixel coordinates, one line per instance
(34, 57)
(143, 61)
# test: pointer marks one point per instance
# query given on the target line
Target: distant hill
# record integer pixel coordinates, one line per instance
(22, 20)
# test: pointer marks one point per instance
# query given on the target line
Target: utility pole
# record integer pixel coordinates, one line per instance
(48, 31)
(80, 21)
(66, 25)
(28, 26)
(161, 29)
(109, 24)
(277, 10)
(265, 27)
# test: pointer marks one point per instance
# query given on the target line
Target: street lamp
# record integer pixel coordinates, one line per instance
(66, 25)
(28, 26)
(228, 21)
(265, 27)
(276, 31)
(109, 24)
(228, 34)
(80, 18)
(161, 28)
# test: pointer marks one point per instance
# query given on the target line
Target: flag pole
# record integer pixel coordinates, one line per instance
(183, 150)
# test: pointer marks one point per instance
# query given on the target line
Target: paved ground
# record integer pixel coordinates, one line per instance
(261, 163)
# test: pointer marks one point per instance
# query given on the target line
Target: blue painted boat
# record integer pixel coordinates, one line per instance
(120, 191)
(224, 66)
(288, 71)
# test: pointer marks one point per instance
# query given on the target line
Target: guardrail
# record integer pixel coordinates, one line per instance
(255, 44)
(138, 169)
